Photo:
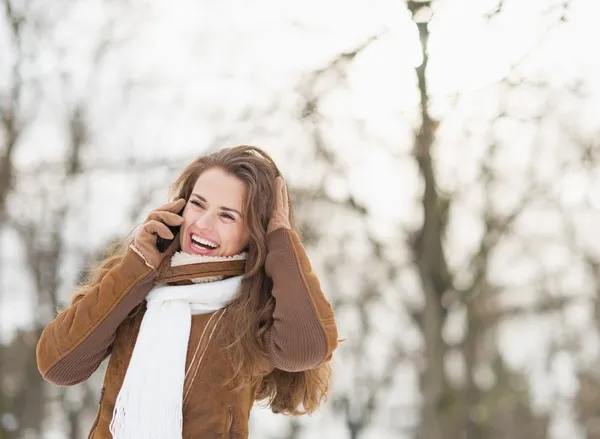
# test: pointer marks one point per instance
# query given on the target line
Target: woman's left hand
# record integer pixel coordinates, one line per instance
(280, 218)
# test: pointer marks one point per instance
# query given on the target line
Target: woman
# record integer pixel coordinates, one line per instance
(230, 313)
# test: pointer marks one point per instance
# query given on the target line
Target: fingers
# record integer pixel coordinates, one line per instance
(169, 218)
(159, 218)
(280, 215)
(174, 206)
(154, 227)
(279, 187)
(282, 195)
(168, 212)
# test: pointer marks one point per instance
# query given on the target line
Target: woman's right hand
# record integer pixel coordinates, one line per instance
(156, 225)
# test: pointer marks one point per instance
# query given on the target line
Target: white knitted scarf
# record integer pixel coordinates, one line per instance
(150, 402)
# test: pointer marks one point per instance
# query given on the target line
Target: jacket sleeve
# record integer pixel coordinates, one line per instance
(304, 333)
(74, 344)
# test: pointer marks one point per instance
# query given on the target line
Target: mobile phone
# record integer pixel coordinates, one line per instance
(163, 244)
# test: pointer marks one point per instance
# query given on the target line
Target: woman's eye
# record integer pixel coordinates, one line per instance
(197, 203)
(227, 216)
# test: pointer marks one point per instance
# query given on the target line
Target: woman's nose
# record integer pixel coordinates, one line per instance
(205, 221)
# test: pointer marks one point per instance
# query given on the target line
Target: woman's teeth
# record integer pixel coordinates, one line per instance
(202, 243)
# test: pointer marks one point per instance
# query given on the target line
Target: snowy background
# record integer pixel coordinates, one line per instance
(443, 159)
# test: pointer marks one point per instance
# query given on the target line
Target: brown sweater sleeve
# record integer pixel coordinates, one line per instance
(304, 333)
(74, 344)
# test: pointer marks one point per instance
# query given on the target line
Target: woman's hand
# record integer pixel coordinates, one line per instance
(156, 225)
(280, 218)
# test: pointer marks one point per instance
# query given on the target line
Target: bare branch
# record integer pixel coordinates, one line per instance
(497, 10)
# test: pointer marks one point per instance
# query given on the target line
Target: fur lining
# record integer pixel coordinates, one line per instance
(205, 280)
(135, 249)
(181, 258)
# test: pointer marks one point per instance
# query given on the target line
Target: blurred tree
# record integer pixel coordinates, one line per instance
(38, 212)
(451, 406)
(11, 120)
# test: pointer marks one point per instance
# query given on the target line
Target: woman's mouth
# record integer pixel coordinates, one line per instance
(201, 245)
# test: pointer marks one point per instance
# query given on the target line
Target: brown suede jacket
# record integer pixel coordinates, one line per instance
(106, 320)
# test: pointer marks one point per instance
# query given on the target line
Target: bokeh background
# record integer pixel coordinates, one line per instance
(443, 157)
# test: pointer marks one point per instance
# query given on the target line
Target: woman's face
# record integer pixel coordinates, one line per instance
(212, 219)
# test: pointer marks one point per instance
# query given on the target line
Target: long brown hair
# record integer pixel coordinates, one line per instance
(284, 392)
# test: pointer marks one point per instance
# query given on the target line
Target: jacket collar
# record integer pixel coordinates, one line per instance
(183, 274)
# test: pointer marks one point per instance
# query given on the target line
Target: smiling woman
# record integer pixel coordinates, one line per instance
(230, 313)
(212, 222)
